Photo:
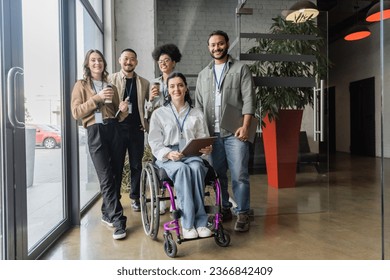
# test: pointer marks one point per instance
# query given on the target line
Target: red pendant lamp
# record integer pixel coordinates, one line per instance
(357, 32)
(374, 13)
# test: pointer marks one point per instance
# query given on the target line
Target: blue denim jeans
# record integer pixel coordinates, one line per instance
(233, 154)
(188, 176)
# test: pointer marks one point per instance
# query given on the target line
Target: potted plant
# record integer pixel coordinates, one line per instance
(280, 107)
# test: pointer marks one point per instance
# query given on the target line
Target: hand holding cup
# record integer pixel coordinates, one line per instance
(154, 91)
(108, 93)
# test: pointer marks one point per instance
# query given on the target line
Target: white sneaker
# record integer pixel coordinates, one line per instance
(189, 233)
(204, 232)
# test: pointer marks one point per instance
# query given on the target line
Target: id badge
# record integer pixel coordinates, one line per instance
(218, 99)
(182, 143)
(130, 108)
(98, 117)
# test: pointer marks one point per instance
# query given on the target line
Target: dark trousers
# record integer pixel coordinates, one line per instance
(104, 145)
(133, 138)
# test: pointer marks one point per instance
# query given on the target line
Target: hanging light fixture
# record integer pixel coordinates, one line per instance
(374, 13)
(357, 32)
(301, 12)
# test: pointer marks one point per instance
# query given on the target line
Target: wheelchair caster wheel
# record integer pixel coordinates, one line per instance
(211, 223)
(222, 238)
(170, 246)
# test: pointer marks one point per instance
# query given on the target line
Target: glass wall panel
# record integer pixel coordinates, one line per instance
(385, 141)
(1, 162)
(308, 189)
(88, 37)
(355, 171)
(43, 118)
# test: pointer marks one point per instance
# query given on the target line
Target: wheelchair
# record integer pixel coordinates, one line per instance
(154, 185)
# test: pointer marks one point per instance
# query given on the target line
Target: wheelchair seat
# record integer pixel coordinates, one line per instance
(163, 176)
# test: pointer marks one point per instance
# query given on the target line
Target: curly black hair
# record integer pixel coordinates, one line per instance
(169, 49)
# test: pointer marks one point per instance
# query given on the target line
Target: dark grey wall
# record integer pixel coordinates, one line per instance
(188, 24)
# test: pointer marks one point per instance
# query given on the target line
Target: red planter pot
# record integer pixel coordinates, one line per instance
(281, 144)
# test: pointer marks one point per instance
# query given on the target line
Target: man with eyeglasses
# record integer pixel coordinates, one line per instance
(135, 90)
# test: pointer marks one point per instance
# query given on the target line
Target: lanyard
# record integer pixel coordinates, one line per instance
(220, 77)
(181, 126)
(96, 92)
(94, 88)
(127, 93)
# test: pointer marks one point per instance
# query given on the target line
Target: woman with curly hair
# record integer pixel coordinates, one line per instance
(166, 57)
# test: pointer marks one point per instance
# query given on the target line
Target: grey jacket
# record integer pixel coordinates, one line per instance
(237, 90)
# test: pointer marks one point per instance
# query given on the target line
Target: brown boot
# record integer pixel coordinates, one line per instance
(242, 223)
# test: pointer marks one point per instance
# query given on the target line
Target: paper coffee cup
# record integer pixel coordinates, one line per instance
(108, 100)
(157, 85)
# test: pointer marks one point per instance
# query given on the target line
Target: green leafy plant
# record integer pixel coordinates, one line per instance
(126, 184)
(271, 99)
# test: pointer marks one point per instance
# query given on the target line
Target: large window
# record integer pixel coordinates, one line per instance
(42, 95)
(89, 36)
(1, 167)
(98, 7)
(37, 64)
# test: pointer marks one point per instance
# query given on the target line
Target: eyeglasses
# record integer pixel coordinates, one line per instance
(164, 61)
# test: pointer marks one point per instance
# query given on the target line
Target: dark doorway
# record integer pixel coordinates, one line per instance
(362, 102)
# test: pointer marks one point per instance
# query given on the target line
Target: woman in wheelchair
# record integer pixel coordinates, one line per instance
(171, 127)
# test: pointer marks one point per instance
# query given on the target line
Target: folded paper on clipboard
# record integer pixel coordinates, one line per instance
(194, 145)
(233, 118)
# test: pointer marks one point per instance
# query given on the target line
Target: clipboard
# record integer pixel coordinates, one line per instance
(194, 145)
(232, 120)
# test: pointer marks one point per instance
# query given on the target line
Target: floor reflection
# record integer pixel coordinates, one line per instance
(326, 216)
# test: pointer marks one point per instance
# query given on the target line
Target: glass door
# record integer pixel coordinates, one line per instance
(293, 182)
(383, 28)
(33, 180)
(2, 231)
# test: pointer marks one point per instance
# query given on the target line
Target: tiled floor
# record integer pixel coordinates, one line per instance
(326, 217)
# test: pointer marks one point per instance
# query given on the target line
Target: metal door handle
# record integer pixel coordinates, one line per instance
(11, 104)
(321, 112)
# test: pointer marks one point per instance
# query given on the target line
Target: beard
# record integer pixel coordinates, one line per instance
(223, 52)
(127, 70)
